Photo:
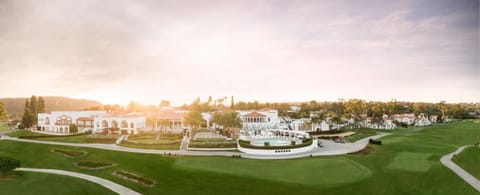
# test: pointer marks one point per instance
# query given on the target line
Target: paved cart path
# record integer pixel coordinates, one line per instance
(103, 182)
(447, 161)
(329, 148)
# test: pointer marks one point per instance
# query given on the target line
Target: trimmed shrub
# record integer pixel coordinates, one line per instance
(246, 144)
(8, 164)
(377, 142)
(93, 164)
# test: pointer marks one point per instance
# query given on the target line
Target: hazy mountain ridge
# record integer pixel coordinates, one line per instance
(16, 105)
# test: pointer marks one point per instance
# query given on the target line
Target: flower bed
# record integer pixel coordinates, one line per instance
(246, 144)
(93, 164)
(135, 177)
(212, 143)
(69, 153)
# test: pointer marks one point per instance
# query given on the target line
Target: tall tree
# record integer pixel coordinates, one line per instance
(232, 103)
(193, 119)
(33, 109)
(27, 115)
(41, 105)
(3, 112)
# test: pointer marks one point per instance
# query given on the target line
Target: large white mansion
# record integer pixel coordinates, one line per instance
(259, 119)
(95, 121)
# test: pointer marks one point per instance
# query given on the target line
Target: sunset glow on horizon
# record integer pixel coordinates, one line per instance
(270, 51)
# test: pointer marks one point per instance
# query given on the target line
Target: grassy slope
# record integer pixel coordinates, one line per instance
(70, 139)
(389, 174)
(43, 183)
(469, 160)
(24, 133)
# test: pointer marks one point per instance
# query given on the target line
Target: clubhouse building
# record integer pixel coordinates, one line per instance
(259, 119)
(59, 122)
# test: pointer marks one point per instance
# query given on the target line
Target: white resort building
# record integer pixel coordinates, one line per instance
(96, 121)
(259, 119)
(407, 118)
(422, 121)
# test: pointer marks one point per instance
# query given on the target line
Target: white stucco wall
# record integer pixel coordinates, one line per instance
(278, 151)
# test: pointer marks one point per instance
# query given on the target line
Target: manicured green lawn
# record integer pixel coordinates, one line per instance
(417, 162)
(4, 127)
(469, 160)
(23, 132)
(385, 171)
(44, 183)
(70, 139)
(306, 171)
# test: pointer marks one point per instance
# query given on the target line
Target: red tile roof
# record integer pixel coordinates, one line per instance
(85, 119)
(255, 114)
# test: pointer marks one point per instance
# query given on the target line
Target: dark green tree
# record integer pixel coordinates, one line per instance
(27, 119)
(33, 109)
(8, 164)
(73, 128)
(41, 105)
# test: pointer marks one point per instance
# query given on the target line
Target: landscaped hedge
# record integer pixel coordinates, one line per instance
(170, 145)
(246, 144)
(326, 132)
(372, 141)
(69, 153)
(48, 136)
(104, 139)
(136, 177)
(170, 136)
(212, 144)
(92, 164)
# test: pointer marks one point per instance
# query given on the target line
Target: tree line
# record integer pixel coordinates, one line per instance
(33, 106)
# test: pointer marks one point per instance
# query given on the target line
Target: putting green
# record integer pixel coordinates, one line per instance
(311, 171)
(407, 161)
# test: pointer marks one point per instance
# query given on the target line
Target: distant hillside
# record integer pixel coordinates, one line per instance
(52, 103)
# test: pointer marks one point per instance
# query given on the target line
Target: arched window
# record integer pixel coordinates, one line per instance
(47, 121)
(104, 124)
(124, 124)
(114, 124)
(132, 125)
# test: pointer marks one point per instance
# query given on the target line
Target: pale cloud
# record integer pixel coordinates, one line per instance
(116, 51)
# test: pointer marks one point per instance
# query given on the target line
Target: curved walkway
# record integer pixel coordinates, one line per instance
(329, 148)
(103, 182)
(447, 161)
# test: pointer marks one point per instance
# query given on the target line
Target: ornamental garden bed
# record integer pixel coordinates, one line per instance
(41, 136)
(134, 177)
(153, 141)
(94, 164)
(212, 143)
(246, 144)
(166, 145)
(102, 138)
(69, 153)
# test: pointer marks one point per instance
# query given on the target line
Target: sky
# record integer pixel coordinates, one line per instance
(116, 51)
